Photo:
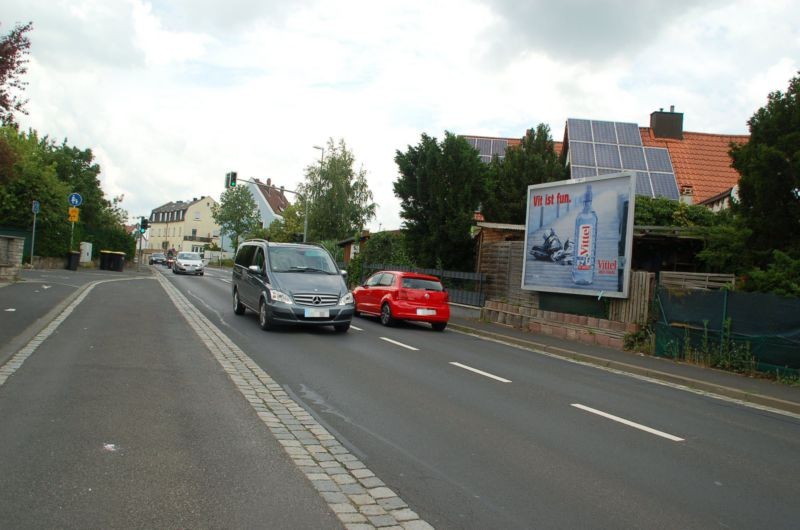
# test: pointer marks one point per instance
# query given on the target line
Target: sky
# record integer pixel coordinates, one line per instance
(171, 95)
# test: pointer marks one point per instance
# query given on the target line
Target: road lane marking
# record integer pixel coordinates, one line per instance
(355, 328)
(481, 372)
(628, 422)
(564, 355)
(400, 344)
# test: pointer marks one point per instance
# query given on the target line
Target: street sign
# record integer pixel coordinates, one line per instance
(35, 208)
(75, 199)
(73, 214)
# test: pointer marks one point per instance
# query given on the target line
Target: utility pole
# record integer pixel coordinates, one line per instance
(321, 160)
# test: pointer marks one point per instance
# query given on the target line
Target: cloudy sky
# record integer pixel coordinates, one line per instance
(170, 95)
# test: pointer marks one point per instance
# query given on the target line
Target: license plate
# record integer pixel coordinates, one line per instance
(314, 312)
(426, 312)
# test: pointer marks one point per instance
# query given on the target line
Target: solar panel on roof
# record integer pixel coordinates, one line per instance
(603, 131)
(628, 134)
(499, 147)
(607, 156)
(602, 147)
(578, 172)
(632, 157)
(582, 154)
(606, 171)
(664, 185)
(580, 130)
(643, 186)
(658, 159)
(484, 146)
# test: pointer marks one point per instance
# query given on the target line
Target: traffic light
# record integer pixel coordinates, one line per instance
(230, 179)
(144, 225)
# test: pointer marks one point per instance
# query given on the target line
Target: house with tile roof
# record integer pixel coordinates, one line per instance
(183, 226)
(270, 199)
(691, 166)
(701, 161)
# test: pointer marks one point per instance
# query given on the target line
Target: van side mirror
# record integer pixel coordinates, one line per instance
(343, 272)
(254, 268)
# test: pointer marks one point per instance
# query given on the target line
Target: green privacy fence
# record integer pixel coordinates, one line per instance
(731, 330)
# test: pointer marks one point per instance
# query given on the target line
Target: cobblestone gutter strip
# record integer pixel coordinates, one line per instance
(358, 498)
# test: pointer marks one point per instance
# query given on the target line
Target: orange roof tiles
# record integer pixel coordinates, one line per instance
(700, 160)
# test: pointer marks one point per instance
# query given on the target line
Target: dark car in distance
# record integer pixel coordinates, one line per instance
(397, 295)
(290, 284)
(157, 259)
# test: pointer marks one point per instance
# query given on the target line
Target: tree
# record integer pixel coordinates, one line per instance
(237, 213)
(28, 178)
(382, 248)
(14, 49)
(534, 161)
(440, 187)
(769, 186)
(339, 200)
(34, 169)
(286, 230)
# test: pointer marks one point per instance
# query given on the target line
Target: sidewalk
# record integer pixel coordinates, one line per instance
(28, 305)
(763, 392)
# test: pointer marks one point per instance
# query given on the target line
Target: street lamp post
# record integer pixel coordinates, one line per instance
(321, 160)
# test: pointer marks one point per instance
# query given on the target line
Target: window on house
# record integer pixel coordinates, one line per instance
(194, 232)
(196, 216)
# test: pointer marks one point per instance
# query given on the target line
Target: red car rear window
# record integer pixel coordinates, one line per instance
(420, 283)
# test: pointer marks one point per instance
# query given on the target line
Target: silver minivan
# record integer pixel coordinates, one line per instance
(289, 284)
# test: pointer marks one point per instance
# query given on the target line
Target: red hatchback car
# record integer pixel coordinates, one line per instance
(395, 295)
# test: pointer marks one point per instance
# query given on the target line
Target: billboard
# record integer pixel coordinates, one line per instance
(579, 234)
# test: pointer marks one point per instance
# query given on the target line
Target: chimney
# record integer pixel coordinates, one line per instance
(269, 182)
(667, 124)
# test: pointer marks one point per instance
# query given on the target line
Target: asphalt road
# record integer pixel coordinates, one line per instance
(122, 419)
(476, 434)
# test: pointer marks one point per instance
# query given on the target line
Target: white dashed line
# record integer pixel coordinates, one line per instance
(355, 328)
(628, 422)
(400, 344)
(481, 372)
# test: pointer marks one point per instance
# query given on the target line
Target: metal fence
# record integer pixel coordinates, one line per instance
(462, 287)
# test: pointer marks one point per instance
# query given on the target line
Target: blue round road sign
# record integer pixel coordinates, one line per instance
(75, 199)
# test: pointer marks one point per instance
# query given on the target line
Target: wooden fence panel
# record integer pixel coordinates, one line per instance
(636, 308)
(695, 280)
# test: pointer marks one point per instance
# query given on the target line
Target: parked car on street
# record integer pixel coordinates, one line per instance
(290, 284)
(188, 263)
(157, 259)
(396, 295)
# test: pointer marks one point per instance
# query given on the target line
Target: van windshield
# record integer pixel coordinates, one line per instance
(301, 260)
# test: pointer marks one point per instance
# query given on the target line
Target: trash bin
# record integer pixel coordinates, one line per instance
(116, 261)
(72, 260)
(104, 259)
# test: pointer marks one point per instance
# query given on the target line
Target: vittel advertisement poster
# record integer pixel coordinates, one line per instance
(579, 234)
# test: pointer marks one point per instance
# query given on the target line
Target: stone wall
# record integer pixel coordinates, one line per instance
(10, 257)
